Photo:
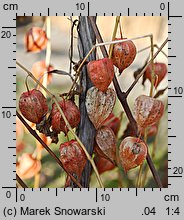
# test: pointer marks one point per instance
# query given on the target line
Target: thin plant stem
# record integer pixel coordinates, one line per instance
(53, 155)
(139, 176)
(38, 158)
(152, 156)
(44, 83)
(26, 83)
(48, 51)
(114, 35)
(152, 68)
(66, 122)
(78, 71)
(37, 177)
(155, 46)
(21, 182)
(32, 76)
(139, 183)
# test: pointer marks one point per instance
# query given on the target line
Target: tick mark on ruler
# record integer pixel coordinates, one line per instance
(176, 176)
(88, 8)
(171, 16)
(174, 96)
(8, 27)
(96, 195)
(136, 192)
(9, 107)
(56, 192)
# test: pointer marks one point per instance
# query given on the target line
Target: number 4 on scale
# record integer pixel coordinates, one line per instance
(173, 211)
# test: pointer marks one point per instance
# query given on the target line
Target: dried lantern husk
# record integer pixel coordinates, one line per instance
(106, 143)
(73, 158)
(33, 105)
(132, 153)
(99, 105)
(71, 113)
(101, 73)
(36, 39)
(147, 110)
(160, 71)
(123, 54)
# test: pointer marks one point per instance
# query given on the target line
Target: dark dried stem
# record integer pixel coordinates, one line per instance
(53, 155)
(122, 96)
(71, 44)
(21, 182)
